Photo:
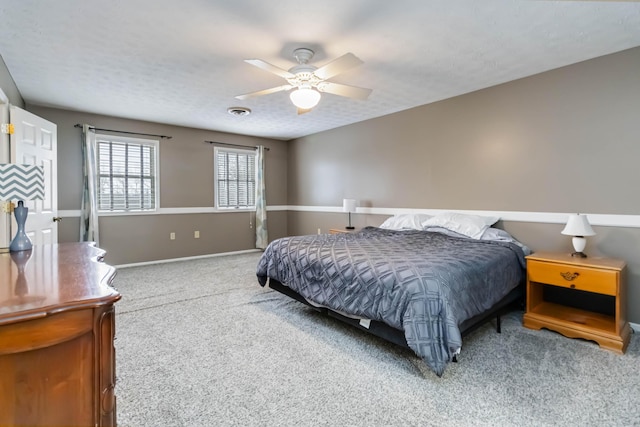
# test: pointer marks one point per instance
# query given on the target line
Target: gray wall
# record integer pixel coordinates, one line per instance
(186, 181)
(563, 141)
(9, 86)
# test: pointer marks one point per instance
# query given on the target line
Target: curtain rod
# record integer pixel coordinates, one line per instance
(235, 145)
(123, 131)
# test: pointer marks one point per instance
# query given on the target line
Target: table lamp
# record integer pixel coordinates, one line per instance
(349, 205)
(21, 182)
(578, 226)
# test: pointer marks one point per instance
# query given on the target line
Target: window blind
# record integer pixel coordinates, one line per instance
(235, 178)
(127, 175)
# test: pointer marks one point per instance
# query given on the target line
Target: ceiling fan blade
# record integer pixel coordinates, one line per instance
(270, 68)
(264, 92)
(344, 90)
(337, 66)
(303, 110)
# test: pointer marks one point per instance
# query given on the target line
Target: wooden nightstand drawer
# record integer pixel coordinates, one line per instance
(571, 276)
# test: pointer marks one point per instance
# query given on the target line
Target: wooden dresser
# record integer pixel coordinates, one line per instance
(57, 326)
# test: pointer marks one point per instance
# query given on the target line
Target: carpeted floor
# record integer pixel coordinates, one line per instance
(200, 343)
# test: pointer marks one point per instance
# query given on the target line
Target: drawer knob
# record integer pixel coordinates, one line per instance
(569, 276)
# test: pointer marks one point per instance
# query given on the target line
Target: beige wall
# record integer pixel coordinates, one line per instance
(563, 141)
(186, 181)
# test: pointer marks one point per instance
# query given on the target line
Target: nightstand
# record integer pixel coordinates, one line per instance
(341, 230)
(579, 298)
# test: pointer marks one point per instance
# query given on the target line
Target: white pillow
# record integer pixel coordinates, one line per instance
(405, 222)
(503, 236)
(469, 225)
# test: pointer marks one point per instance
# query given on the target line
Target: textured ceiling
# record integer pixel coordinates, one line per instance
(181, 62)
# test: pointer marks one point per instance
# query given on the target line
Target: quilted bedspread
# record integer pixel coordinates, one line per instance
(424, 283)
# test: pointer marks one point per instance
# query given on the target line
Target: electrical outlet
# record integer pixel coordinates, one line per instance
(196, 234)
(172, 236)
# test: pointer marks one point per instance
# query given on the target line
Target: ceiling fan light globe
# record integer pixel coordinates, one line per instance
(305, 98)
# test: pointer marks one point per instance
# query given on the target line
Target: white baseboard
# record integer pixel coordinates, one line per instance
(163, 261)
(635, 327)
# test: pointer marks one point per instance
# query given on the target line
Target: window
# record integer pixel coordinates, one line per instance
(127, 173)
(235, 176)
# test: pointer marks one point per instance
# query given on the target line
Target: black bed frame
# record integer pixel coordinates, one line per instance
(514, 299)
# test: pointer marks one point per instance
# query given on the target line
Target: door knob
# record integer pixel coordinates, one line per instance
(57, 219)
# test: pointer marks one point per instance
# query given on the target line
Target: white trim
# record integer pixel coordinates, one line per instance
(70, 213)
(635, 327)
(278, 208)
(608, 220)
(319, 209)
(611, 220)
(189, 258)
(168, 211)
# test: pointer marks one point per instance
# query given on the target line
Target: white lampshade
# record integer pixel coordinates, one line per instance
(578, 225)
(349, 205)
(305, 98)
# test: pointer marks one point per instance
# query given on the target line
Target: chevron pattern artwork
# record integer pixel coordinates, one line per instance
(21, 182)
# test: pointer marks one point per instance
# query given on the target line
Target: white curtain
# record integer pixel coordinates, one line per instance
(89, 209)
(262, 238)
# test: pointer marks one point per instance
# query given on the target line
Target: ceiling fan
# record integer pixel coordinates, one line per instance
(309, 81)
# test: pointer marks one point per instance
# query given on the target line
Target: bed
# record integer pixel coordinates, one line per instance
(422, 286)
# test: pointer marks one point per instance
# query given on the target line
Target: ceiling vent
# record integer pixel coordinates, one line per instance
(238, 111)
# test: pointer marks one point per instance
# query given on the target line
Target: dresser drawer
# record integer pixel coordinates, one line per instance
(569, 276)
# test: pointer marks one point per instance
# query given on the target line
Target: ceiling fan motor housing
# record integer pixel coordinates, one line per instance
(304, 76)
(303, 55)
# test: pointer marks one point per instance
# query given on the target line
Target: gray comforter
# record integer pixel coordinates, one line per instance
(424, 283)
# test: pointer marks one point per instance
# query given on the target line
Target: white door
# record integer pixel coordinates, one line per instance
(5, 220)
(35, 142)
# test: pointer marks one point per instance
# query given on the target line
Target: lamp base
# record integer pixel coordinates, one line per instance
(579, 243)
(21, 242)
(350, 227)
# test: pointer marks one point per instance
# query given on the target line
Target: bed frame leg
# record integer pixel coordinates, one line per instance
(498, 326)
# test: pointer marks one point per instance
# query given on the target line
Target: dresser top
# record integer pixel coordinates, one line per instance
(53, 278)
